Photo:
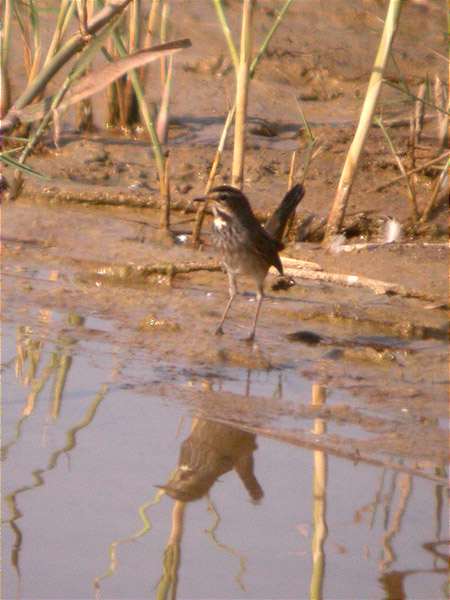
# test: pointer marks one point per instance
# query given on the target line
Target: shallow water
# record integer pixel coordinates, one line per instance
(85, 442)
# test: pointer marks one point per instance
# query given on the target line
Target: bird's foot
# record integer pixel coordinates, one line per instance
(219, 330)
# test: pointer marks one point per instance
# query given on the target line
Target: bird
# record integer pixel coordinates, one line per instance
(246, 246)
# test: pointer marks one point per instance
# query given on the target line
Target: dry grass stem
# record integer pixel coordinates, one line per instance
(163, 38)
(5, 40)
(162, 123)
(212, 175)
(409, 183)
(165, 197)
(441, 101)
(440, 189)
(131, 112)
(337, 213)
(149, 37)
(290, 183)
(419, 113)
(243, 78)
(422, 167)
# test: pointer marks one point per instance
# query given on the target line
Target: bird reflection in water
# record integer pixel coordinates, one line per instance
(211, 450)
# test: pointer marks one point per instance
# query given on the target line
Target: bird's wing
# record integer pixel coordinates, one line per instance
(268, 248)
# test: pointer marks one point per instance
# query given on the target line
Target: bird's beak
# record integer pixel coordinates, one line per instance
(209, 196)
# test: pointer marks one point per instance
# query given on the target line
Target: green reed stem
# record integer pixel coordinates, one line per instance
(64, 54)
(227, 33)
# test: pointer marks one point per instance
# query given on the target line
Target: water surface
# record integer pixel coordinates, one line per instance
(243, 516)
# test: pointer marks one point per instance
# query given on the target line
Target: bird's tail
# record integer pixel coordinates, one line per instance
(276, 225)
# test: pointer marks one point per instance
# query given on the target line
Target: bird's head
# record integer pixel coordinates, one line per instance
(228, 200)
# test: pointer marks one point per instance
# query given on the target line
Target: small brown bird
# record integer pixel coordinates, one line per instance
(246, 246)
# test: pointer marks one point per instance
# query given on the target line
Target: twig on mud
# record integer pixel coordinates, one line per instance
(142, 271)
(292, 267)
(416, 170)
(103, 197)
(377, 286)
(373, 245)
(295, 263)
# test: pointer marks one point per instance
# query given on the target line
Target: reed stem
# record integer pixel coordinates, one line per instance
(212, 175)
(131, 112)
(227, 33)
(66, 11)
(229, 120)
(149, 35)
(145, 111)
(64, 54)
(337, 213)
(243, 78)
(5, 40)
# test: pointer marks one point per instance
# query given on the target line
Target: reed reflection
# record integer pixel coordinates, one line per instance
(36, 375)
(320, 480)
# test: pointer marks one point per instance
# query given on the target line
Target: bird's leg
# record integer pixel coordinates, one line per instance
(232, 288)
(259, 299)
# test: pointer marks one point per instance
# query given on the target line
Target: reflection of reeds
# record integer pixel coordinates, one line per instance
(320, 529)
(405, 486)
(167, 586)
(212, 534)
(113, 547)
(440, 504)
(64, 364)
(37, 385)
(37, 474)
